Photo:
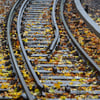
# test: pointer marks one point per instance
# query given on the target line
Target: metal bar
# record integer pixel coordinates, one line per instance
(57, 38)
(91, 24)
(40, 86)
(11, 15)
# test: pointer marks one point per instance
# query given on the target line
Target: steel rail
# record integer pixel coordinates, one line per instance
(88, 20)
(40, 86)
(10, 18)
(91, 62)
(57, 37)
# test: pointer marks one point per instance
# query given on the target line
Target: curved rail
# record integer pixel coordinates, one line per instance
(57, 38)
(87, 18)
(11, 15)
(74, 40)
(40, 86)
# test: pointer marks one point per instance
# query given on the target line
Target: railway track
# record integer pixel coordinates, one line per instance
(48, 62)
(93, 10)
(90, 42)
(10, 86)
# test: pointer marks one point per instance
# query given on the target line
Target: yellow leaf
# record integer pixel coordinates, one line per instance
(80, 60)
(90, 88)
(39, 27)
(60, 82)
(50, 8)
(62, 98)
(1, 57)
(45, 86)
(51, 90)
(67, 74)
(32, 24)
(4, 24)
(28, 26)
(25, 33)
(95, 97)
(57, 85)
(30, 86)
(78, 33)
(80, 39)
(60, 31)
(35, 68)
(40, 57)
(4, 85)
(69, 62)
(2, 67)
(47, 30)
(73, 51)
(98, 19)
(71, 83)
(81, 80)
(25, 40)
(74, 80)
(86, 31)
(2, 62)
(37, 91)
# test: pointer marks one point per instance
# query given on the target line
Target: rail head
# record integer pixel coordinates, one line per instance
(57, 38)
(25, 3)
(88, 20)
(91, 62)
(10, 19)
